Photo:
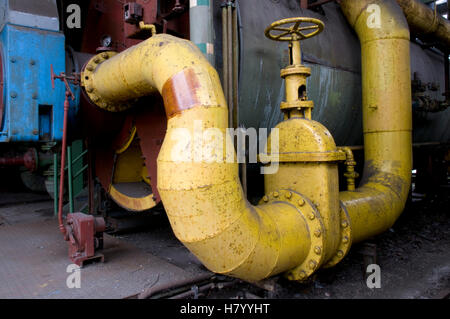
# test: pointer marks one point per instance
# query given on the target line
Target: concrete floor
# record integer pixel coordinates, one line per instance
(34, 259)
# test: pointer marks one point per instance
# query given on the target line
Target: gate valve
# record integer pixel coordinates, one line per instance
(293, 30)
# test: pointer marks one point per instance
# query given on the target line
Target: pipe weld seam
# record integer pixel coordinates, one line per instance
(385, 38)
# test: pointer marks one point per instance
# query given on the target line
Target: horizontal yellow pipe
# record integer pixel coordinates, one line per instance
(425, 21)
(387, 123)
(204, 200)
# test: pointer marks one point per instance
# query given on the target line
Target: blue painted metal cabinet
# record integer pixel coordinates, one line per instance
(33, 111)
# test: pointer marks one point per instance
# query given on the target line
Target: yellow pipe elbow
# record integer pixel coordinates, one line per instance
(425, 21)
(203, 197)
(387, 122)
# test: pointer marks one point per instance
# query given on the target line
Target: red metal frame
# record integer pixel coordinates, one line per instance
(106, 17)
(151, 123)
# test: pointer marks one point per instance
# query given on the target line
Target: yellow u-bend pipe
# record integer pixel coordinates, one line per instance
(387, 122)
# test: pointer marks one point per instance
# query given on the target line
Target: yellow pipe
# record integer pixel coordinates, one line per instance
(203, 196)
(204, 200)
(150, 27)
(376, 204)
(425, 21)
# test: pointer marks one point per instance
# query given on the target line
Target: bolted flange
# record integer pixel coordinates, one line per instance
(315, 256)
(346, 239)
(87, 82)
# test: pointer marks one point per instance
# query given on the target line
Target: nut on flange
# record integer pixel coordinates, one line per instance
(87, 82)
(346, 239)
(315, 256)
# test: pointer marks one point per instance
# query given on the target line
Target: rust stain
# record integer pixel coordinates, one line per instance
(179, 92)
(393, 181)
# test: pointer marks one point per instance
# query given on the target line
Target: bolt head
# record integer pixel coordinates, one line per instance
(265, 199)
(344, 224)
(312, 264)
(312, 216)
(90, 68)
(288, 195)
(318, 233)
(345, 239)
(301, 202)
(340, 253)
(302, 274)
(317, 250)
(275, 194)
(105, 55)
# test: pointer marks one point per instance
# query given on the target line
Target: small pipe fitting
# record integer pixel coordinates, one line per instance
(351, 175)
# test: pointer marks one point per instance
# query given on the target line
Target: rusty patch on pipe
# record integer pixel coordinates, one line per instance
(180, 92)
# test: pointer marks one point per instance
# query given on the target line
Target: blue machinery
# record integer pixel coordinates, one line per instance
(30, 110)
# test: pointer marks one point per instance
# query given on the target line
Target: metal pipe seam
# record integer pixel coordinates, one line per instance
(375, 205)
(225, 49)
(204, 200)
(229, 98)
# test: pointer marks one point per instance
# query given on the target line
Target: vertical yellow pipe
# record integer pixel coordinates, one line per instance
(384, 35)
